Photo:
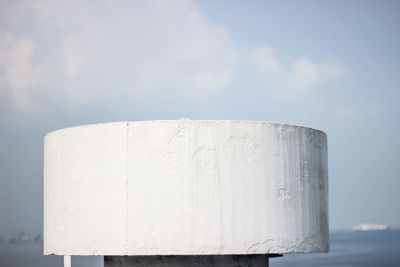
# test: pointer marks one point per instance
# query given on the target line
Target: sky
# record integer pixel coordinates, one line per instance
(330, 65)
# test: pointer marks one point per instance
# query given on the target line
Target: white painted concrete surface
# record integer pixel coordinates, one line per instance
(185, 187)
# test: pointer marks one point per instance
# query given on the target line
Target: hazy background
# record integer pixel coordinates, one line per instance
(331, 65)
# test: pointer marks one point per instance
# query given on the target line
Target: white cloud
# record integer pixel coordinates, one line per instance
(16, 61)
(87, 52)
(73, 58)
(91, 50)
(300, 80)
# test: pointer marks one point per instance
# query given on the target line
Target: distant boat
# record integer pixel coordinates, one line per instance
(370, 227)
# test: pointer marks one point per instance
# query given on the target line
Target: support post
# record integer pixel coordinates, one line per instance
(67, 261)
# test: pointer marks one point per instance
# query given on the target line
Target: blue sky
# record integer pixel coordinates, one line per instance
(331, 65)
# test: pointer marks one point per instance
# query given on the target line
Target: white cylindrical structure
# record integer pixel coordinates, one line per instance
(185, 187)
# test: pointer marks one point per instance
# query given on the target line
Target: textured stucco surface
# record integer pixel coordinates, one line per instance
(185, 188)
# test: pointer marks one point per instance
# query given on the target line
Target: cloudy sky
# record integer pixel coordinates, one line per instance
(331, 65)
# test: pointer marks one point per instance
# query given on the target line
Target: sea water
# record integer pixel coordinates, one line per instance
(348, 249)
(351, 249)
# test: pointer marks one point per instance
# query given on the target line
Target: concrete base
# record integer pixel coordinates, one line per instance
(189, 260)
